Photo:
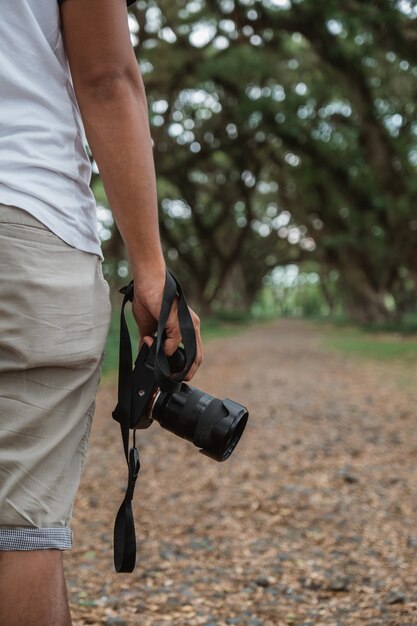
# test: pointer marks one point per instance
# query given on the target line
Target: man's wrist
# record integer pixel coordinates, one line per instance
(149, 270)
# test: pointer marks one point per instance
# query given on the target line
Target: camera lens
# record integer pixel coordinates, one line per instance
(215, 426)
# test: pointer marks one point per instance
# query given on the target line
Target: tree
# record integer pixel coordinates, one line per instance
(285, 132)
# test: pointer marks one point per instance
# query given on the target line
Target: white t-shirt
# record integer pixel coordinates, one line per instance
(44, 166)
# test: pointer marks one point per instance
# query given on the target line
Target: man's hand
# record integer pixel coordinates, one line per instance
(112, 100)
(146, 308)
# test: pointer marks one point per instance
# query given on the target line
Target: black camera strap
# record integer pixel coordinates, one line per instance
(124, 528)
(171, 381)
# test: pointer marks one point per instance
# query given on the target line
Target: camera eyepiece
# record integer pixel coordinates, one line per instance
(213, 425)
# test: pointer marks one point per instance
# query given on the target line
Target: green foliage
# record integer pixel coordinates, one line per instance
(407, 326)
(285, 132)
(373, 346)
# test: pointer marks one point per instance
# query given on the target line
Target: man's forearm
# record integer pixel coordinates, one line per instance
(115, 118)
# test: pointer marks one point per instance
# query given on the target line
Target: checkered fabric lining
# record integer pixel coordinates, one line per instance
(35, 538)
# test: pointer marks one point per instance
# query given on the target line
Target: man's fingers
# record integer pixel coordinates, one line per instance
(195, 366)
(173, 332)
(148, 340)
(171, 344)
(199, 351)
(174, 338)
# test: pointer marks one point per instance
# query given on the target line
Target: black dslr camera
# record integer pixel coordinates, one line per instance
(153, 389)
(215, 426)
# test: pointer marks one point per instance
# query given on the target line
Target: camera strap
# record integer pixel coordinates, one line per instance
(124, 529)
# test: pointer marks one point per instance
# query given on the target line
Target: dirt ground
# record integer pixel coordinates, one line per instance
(311, 522)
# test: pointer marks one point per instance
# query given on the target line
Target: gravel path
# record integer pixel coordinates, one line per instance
(311, 522)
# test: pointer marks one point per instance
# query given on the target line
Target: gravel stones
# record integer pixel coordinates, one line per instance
(394, 596)
(115, 621)
(339, 582)
(301, 526)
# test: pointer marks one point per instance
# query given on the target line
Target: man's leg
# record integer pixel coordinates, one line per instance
(54, 317)
(32, 589)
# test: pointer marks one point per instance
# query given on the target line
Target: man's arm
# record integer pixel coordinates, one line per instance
(112, 101)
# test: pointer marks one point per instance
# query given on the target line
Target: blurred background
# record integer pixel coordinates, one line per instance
(285, 140)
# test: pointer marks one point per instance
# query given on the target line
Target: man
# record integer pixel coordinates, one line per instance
(63, 70)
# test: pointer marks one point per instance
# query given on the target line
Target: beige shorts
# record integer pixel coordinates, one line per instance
(54, 319)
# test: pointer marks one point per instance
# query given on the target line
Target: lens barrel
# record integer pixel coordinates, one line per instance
(215, 426)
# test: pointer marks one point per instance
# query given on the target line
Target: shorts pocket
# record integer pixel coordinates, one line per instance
(101, 275)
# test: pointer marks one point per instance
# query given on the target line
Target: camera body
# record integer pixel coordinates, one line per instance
(213, 425)
(144, 388)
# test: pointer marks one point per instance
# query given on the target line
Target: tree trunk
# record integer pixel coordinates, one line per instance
(233, 295)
